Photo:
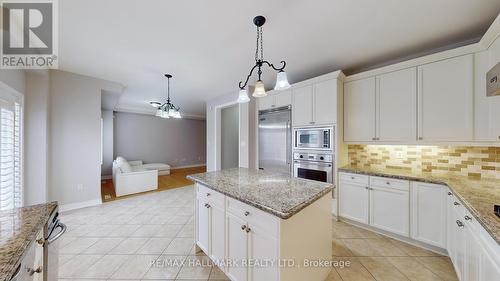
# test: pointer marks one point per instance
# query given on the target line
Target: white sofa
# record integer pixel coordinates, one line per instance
(131, 177)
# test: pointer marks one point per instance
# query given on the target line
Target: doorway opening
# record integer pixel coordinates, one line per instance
(229, 137)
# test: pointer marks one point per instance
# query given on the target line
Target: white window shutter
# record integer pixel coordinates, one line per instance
(10, 156)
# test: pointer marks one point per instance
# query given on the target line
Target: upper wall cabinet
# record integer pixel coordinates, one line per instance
(302, 108)
(275, 99)
(445, 100)
(359, 110)
(315, 104)
(396, 105)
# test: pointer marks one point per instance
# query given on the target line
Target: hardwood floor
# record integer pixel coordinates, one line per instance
(177, 178)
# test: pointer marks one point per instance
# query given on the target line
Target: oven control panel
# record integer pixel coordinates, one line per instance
(318, 157)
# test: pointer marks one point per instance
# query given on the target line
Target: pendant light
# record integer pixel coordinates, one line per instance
(168, 109)
(281, 78)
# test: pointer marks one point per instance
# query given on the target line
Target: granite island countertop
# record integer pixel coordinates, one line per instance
(477, 195)
(18, 229)
(276, 193)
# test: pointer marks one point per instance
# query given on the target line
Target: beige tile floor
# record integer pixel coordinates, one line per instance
(150, 237)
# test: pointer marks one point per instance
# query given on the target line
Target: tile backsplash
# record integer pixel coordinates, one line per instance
(478, 162)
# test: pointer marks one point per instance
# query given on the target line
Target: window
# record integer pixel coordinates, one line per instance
(10, 154)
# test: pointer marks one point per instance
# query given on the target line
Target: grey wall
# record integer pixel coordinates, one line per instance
(107, 142)
(177, 142)
(229, 137)
(75, 138)
(36, 139)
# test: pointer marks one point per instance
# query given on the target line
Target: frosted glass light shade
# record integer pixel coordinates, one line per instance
(164, 114)
(243, 96)
(177, 115)
(159, 112)
(281, 81)
(171, 113)
(259, 91)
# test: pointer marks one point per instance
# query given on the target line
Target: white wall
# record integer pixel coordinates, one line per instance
(75, 137)
(14, 78)
(247, 137)
(177, 142)
(107, 142)
(230, 137)
(36, 107)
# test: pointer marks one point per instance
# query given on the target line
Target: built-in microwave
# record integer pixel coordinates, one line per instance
(313, 138)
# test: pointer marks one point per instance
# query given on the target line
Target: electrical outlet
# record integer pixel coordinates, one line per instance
(399, 155)
(79, 187)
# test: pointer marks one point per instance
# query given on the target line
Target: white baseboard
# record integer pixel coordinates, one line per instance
(79, 205)
(188, 166)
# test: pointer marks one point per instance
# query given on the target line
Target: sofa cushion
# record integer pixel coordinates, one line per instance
(156, 166)
(125, 167)
(120, 159)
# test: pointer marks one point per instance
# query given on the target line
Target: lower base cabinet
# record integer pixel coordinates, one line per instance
(436, 218)
(250, 243)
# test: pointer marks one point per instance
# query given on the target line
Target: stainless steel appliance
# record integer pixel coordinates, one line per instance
(313, 138)
(313, 166)
(275, 139)
(54, 230)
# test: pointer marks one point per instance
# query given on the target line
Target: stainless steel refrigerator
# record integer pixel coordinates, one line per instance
(275, 140)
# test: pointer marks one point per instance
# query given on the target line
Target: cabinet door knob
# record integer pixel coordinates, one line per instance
(243, 227)
(374, 138)
(456, 203)
(449, 193)
(208, 194)
(247, 213)
(207, 205)
(420, 138)
(352, 178)
(388, 183)
(467, 218)
(367, 188)
(459, 223)
(248, 229)
(32, 271)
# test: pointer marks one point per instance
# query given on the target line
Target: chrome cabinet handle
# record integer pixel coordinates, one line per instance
(456, 203)
(374, 138)
(247, 213)
(208, 194)
(459, 223)
(32, 271)
(367, 188)
(207, 205)
(63, 228)
(388, 183)
(467, 218)
(248, 229)
(449, 193)
(420, 138)
(352, 178)
(243, 227)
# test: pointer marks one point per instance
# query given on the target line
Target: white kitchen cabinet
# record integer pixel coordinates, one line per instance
(445, 100)
(486, 109)
(203, 224)
(261, 247)
(354, 197)
(428, 209)
(217, 239)
(359, 110)
(489, 268)
(473, 251)
(302, 107)
(456, 236)
(237, 247)
(396, 106)
(389, 208)
(325, 102)
(275, 99)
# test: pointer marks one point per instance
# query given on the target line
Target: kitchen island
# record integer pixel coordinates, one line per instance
(258, 225)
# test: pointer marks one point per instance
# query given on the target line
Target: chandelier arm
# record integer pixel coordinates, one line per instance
(248, 77)
(275, 68)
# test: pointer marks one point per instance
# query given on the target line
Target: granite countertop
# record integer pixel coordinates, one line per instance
(276, 193)
(477, 195)
(18, 228)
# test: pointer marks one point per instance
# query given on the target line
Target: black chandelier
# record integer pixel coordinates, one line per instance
(281, 79)
(168, 109)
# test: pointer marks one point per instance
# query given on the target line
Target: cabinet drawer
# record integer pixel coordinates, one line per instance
(253, 216)
(211, 195)
(390, 183)
(354, 178)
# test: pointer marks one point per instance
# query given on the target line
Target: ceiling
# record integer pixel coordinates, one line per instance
(209, 46)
